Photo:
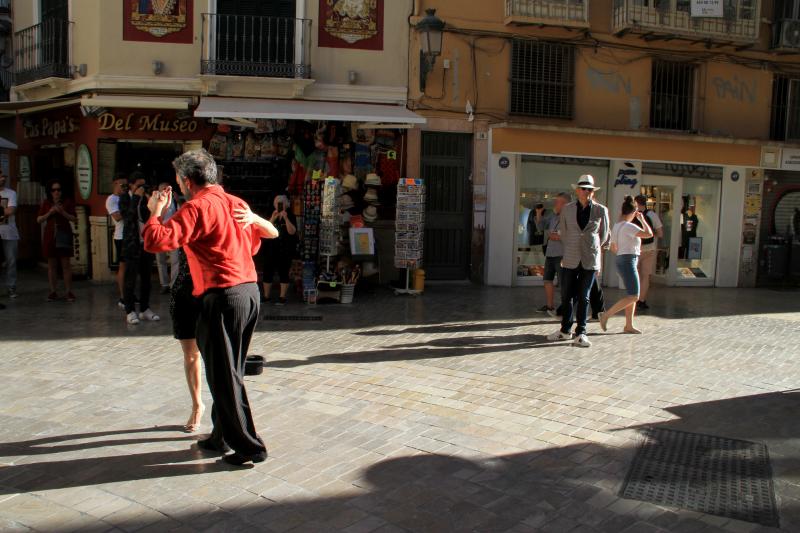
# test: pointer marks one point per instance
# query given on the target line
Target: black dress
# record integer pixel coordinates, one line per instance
(183, 307)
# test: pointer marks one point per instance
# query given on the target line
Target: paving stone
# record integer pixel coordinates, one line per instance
(390, 414)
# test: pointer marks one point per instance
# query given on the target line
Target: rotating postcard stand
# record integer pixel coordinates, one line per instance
(409, 229)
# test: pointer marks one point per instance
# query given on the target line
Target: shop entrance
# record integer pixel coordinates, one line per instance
(446, 167)
(689, 211)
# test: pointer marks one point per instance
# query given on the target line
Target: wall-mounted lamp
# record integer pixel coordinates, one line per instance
(80, 70)
(430, 35)
(158, 67)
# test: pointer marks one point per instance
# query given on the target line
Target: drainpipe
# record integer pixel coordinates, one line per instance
(300, 36)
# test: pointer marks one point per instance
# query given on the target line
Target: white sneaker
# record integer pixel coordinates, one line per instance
(582, 340)
(120, 304)
(133, 318)
(559, 336)
(150, 315)
(552, 312)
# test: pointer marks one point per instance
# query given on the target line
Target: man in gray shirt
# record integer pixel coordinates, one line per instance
(552, 262)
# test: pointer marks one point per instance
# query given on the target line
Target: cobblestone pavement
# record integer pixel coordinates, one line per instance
(445, 412)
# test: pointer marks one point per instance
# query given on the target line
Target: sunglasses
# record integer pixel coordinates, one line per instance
(586, 188)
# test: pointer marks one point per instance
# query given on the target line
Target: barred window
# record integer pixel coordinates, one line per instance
(672, 95)
(785, 114)
(542, 79)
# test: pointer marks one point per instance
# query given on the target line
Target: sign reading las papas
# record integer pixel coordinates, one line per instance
(151, 123)
(707, 8)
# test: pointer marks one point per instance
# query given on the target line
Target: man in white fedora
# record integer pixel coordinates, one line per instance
(583, 232)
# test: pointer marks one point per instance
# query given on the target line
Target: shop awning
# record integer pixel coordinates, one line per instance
(256, 108)
(137, 102)
(33, 106)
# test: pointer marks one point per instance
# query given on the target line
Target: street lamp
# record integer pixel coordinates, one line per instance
(430, 34)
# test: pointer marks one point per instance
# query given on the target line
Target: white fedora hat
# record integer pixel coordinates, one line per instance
(585, 182)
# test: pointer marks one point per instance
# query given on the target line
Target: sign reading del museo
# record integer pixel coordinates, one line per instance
(150, 123)
(707, 8)
(790, 159)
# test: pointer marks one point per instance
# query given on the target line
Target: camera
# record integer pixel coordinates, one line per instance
(280, 207)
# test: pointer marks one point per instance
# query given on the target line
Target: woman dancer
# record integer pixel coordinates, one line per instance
(184, 310)
(626, 242)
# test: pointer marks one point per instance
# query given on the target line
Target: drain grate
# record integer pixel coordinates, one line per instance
(712, 475)
(293, 317)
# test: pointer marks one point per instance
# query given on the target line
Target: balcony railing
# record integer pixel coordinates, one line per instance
(43, 51)
(245, 45)
(548, 12)
(672, 18)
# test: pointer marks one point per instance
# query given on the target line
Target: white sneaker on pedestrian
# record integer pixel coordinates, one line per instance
(582, 340)
(133, 318)
(559, 336)
(150, 315)
(12, 292)
(551, 311)
(120, 304)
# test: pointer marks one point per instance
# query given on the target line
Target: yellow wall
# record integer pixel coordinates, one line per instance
(612, 80)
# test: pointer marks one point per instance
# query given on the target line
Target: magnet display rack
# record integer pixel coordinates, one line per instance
(409, 229)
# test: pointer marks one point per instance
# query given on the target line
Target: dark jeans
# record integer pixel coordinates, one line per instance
(597, 301)
(227, 321)
(141, 266)
(576, 284)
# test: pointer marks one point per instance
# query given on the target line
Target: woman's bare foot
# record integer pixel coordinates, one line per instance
(603, 320)
(632, 331)
(193, 424)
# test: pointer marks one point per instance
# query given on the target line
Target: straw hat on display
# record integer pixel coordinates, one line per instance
(371, 196)
(373, 180)
(350, 183)
(370, 214)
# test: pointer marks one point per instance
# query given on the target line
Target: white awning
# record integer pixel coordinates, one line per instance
(255, 108)
(6, 144)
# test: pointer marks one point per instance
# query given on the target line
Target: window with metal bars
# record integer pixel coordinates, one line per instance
(672, 95)
(784, 122)
(542, 79)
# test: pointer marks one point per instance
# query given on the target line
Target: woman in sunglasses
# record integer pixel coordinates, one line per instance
(57, 213)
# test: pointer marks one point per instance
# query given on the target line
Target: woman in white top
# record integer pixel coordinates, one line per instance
(626, 242)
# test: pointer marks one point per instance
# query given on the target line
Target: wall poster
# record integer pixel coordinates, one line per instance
(351, 24)
(161, 21)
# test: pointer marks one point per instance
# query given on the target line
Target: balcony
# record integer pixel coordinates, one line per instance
(568, 13)
(671, 19)
(43, 51)
(245, 45)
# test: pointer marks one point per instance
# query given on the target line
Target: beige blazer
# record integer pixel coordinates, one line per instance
(582, 247)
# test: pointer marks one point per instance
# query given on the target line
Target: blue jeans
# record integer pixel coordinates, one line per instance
(576, 283)
(10, 249)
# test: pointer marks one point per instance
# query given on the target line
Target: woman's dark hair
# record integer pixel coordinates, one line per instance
(628, 205)
(197, 165)
(49, 185)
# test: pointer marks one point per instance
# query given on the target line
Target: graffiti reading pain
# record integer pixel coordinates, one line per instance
(735, 89)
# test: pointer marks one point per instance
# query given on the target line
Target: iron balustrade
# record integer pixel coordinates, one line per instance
(43, 51)
(247, 45)
(542, 79)
(565, 12)
(672, 97)
(665, 18)
(785, 109)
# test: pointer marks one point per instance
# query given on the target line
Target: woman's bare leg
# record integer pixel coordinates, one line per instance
(192, 366)
(66, 268)
(52, 273)
(623, 303)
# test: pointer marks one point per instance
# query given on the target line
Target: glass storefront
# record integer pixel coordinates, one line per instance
(689, 210)
(540, 180)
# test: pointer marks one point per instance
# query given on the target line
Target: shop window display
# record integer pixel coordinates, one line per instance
(698, 218)
(659, 200)
(297, 157)
(541, 180)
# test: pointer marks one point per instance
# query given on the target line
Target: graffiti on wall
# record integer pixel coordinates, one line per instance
(735, 89)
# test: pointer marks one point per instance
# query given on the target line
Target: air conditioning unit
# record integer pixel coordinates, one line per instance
(787, 34)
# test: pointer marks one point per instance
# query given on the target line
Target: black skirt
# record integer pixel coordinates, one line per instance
(183, 308)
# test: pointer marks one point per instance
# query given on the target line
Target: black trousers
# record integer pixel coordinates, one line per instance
(226, 324)
(597, 301)
(576, 286)
(140, 265)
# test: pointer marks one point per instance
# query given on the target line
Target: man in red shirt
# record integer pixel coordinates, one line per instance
(219, 235)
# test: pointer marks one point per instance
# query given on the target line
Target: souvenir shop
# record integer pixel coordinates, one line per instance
(339, 165)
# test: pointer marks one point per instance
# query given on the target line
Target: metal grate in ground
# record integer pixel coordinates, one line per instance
(713, 475)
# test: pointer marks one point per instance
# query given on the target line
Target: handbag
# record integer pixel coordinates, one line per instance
(63, 238)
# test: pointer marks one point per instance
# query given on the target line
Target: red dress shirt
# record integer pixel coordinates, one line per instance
(218, 249)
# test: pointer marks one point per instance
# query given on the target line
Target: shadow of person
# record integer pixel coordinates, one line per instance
(435, 349)
(75, 472)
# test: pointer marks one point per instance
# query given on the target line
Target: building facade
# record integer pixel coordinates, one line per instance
(105, 88)
(697, 112)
